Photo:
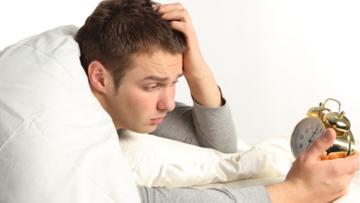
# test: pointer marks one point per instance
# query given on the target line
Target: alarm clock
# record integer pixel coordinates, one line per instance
(317, 121)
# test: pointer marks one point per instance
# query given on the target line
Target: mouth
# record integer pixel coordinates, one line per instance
(156, 121)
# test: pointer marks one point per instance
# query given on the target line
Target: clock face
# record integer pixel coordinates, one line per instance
(305, 133)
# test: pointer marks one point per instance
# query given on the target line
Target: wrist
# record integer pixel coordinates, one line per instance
(205, 92)
(286, 192)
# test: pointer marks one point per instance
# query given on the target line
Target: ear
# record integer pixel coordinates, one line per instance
(99, 77)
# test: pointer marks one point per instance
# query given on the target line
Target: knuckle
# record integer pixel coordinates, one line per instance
(179, 5)
(183, 11)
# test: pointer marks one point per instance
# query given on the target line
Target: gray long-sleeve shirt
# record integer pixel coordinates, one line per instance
(205, 127)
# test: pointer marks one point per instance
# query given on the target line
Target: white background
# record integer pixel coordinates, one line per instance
(273, 59)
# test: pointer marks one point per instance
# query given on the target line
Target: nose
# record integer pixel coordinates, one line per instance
(166, 101)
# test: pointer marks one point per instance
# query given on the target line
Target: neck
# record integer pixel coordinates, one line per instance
(103, 102)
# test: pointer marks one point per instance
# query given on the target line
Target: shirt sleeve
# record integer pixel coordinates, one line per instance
(224, 195)
(201, 126)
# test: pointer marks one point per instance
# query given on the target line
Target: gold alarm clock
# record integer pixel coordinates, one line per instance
(317, 121)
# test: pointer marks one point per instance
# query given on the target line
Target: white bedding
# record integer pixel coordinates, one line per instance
(156, 161)
(57, 144)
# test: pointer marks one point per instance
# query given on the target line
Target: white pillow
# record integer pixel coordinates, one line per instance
(157, 161)
(57, 144)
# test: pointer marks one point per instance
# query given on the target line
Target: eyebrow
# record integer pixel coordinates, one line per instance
(159, 79)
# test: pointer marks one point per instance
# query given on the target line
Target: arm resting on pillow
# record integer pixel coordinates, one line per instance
(224, 195)
(201, 126)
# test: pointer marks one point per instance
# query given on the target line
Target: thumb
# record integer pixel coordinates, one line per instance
(324, 142)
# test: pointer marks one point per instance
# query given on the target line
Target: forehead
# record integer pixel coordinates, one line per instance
(159, 64)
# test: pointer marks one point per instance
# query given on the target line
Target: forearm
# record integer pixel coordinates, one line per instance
(215, 128)
(203, 87)
(201, 81)
(223, 195)
(201, 126)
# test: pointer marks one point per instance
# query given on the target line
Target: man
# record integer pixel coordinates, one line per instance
(147, 66)
(134, 52)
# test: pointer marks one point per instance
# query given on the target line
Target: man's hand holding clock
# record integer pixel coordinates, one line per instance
(312, 179)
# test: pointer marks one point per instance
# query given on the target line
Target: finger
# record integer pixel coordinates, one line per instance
(336, 155)
(340, 194)
(349, 164)
(320, 145)
(343, 182)
(163, 8)
(340, 185)
(178, 15)
(191, 40)
(179, 26)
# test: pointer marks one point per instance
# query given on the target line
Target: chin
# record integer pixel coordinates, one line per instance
(143, 129)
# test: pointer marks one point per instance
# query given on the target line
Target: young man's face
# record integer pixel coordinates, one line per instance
(146, 92)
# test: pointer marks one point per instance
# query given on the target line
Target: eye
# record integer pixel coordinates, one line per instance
(174, 83)
(151, 87)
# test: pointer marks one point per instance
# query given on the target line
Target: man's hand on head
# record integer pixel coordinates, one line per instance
(199, 76)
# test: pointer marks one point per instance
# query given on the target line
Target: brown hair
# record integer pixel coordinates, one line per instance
(119, 29)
